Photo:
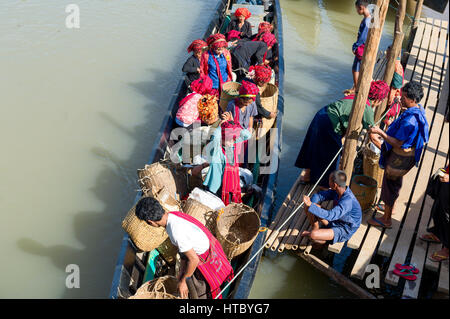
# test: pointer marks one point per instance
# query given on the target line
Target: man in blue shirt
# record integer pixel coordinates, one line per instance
(361, 9)
(340, 222)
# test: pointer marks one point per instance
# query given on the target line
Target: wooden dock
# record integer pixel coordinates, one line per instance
(427, 64)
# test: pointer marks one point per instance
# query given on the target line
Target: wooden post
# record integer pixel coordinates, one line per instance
(362, 90)
(417, 14)
(396, 48)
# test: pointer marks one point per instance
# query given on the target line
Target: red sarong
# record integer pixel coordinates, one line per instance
(214, 264)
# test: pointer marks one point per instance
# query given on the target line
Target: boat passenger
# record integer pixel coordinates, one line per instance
(340, 222)
(261, 76)
(247, 53)
(192, 65)
(188, 110)
(362, 8)
(222, 160)
(241, 24)
(401, 149)
(327, 129)
(216, 62)
(263, 27)
(243, 109)
(200, 252)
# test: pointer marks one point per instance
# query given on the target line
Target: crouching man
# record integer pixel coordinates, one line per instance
(340, 222)
(202, 256)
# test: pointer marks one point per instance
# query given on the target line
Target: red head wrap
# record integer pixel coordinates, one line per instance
(202, 85)
(197, 45)
(249, 90)
(216, 41)
(243, 12)
(233, 34)
(263, 73)
(230, 130)
(378, 90)
(269, 39)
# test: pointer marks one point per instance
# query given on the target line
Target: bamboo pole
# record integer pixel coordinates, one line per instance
(362, 90)
(289, 210)
(292, 224)
(396, 48)
(417, 14)
(295, 230)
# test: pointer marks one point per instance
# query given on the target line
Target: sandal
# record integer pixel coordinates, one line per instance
(409, 267)
(379, 222)
(404, 273)
(431, 238)
(379, 207)
(437, 257)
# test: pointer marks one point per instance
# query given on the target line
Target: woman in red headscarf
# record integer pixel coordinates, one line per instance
(241, 24)
(324, 136)
(261, 75)
(192, 65)
(216, 62)
(243, 109)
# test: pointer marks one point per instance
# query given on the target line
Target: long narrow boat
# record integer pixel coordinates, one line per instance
(133, 267)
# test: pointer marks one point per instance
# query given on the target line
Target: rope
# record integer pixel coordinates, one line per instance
(293, 213)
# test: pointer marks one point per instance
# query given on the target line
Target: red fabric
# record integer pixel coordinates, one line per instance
(248, 89)
(393, 111)
(232, 34)
(352, 97)
(230, 181)
(216, 41)
(197, 45)
(379, 90)
(202, 85)
(204, 65)
(360, 51)
(243, 12)
(263, 73)
(269, 39)
(214, 264)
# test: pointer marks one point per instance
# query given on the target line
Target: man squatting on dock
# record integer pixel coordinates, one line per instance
(340, 222)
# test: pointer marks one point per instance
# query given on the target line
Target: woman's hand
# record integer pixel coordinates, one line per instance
(227, 116)
(444, 179)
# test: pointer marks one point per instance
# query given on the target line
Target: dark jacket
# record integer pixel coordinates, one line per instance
(246, 51)
(246, 28)
(190, 68)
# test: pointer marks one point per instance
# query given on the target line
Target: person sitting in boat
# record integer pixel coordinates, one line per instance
(241, 24)
(261, 75)
(247, 53)
(192, 65)
(324, 136)
(216, 62)
(340, 222)
(395, 92)
(188, 110)
(202, 257)
(263, 27)
(243, 109)
(272, 54)
(222, 159)
(401, 149)
(362, 8)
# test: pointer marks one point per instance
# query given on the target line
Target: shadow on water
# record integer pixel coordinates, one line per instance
(100, 232)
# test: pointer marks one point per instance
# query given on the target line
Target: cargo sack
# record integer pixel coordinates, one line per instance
(159, 288)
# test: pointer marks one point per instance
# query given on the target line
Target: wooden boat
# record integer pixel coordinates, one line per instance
(133, 267)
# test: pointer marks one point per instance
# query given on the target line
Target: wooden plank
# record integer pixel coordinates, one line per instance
(407, 231)
(336, 248)
(390, 235)
(414, 51)
(355, 241)
(443, 278)
(366, 252)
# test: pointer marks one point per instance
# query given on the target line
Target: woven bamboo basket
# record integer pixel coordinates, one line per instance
(144, 236)
(237, 228)
(371, 166)
(159, 288)
(165, 173)
(201, 212)
(365, 190)
(269, 100)
(225, 97)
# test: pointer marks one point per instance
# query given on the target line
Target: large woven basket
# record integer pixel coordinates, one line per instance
(144, 236)
(165, 173)
(365, 190)
(225, 97)
(237, 228)
(159, 288)
(371, 166)
(202, 213)
(269, 100)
